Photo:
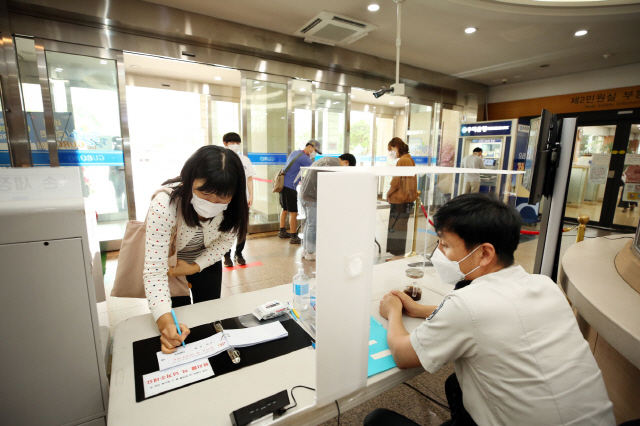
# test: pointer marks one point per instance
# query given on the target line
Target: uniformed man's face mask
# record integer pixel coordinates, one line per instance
(448, 270)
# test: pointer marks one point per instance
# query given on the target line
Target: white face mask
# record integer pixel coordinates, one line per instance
(235, 147)
(312, 155)
(206, 208)
(448, 270)
(393, 155)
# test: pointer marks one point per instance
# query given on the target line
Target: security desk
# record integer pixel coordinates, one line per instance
(212, 400)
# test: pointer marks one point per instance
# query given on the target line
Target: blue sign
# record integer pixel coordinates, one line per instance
(381, 159)
(420, 160)
(267, 159)
(40, 158)
(493, 128)
(90, 157)
(5, 160)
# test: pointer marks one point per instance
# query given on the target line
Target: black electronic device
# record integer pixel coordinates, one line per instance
(272, 404)
(542, 156)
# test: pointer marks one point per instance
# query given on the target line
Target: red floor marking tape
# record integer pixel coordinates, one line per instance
(262, 180)
(248, 265)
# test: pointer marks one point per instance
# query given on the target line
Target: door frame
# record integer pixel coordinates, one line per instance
(622, 119)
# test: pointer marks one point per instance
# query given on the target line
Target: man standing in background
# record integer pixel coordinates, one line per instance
(288, 195)
(472, 180)
(232, 141)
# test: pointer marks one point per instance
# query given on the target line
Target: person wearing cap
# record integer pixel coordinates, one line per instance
(288, 195)
(309, 194)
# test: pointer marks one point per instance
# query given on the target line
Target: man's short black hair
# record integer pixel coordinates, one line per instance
(348, 157)
(477, 149)
(231, 137)
(481, 218)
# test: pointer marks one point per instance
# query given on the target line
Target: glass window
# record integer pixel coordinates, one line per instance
(627, 211)
(266, 134)
(86, 113)
(419, 133)
(586, 191)
(225, 118)
(159, 146)
(5, 158)
(32, 98)
(331, 110)
(361, 135)
(302, 112)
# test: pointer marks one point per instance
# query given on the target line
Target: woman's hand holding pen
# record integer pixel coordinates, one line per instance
(169, 337)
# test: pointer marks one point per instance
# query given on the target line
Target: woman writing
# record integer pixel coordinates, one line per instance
(402, 193)
(210, 197)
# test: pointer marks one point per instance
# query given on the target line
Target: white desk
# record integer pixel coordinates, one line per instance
(211, 401)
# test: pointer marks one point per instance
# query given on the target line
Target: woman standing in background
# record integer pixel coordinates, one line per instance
(402, 193)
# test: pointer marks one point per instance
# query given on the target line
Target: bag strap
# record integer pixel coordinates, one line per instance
(173, 242)
(293, 161)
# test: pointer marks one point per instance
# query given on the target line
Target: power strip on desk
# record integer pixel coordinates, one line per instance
(245, 415)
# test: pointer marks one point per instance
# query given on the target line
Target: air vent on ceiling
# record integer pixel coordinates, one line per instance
(332, 29)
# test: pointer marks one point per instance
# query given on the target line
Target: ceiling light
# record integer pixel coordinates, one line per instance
(217, 78)
(59, 70)
(302, 89)
(327, 104)
(103, 62)
(373, 7)
(337, 94)
(470, 30)
(580, 33)
(391, 103)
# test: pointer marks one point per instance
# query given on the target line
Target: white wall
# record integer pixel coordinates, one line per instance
(607, 78)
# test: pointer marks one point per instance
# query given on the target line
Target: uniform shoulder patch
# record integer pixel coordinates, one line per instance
(437, 309)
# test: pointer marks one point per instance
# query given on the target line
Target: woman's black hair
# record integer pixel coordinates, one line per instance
(348, 157)
(481, 218)
(224, 176)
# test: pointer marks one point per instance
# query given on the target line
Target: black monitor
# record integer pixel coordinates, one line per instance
(539, 172)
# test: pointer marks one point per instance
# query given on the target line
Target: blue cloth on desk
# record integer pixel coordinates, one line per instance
(378, 334)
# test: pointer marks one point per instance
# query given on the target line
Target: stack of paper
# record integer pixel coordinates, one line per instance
(219, 342)
(241, 337)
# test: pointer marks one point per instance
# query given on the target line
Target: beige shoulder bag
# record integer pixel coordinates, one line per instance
(129, 281)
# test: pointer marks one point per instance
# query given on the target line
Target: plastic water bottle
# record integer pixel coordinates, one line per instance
(312, 301)
(300, 291)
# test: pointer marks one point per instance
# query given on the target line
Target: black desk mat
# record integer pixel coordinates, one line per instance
(145, 360)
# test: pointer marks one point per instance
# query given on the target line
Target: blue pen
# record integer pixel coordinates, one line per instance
(292, 312)
(175, 319)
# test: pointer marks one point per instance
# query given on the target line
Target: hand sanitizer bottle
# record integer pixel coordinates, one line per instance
(300, 291)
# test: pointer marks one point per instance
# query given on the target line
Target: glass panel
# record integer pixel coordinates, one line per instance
(361, 135)
(159, 150)
(302, 112)
(445, 183)
(5, 158)
(224, 117)
(32, 98)
(384, 133)
(331, 109)
(86, 112)
(627, 211)
(589, 170)
(266, 134)
(419, 134)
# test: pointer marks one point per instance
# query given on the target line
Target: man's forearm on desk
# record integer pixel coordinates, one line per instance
(400, 344)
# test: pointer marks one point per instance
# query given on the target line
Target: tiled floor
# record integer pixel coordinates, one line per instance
(279, 264)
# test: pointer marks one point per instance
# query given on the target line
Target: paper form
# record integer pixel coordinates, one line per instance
(241, 337)
(162, 381)
(204, 348)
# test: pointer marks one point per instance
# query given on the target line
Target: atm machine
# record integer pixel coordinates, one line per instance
(503, 146)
